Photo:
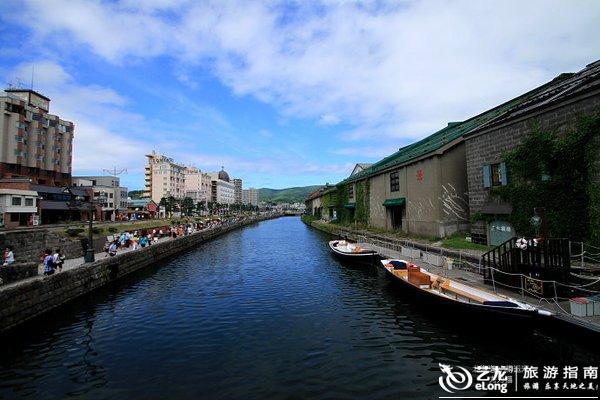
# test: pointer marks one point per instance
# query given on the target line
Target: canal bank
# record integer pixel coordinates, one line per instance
(464, 266)
(24, 300)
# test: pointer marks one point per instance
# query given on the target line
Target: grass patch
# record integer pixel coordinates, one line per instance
(460, 243)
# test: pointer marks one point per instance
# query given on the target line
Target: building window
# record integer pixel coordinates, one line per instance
(394, 181)
(351, 192)
(494, 175)
(29, 201)
(16, 201)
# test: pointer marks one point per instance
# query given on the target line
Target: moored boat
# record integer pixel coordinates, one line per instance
(460, 296)
(359, 253)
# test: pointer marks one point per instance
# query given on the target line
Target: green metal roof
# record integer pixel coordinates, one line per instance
(394, 202)
(452, 132)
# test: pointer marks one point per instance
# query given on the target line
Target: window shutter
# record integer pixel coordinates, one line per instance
(503, 176)
(487, 181)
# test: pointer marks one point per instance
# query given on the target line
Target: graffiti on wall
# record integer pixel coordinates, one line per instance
(454, 205)
(420, 210)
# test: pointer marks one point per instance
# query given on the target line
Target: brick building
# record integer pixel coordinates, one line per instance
(33, 142)
(555, 106)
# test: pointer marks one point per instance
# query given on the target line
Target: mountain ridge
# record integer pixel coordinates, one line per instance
(296, 194)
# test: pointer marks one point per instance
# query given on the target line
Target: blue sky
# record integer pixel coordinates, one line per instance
(280, 93)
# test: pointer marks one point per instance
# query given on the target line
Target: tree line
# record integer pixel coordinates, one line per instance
(187, 206)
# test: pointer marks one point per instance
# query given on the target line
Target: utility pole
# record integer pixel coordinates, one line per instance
(115, 172)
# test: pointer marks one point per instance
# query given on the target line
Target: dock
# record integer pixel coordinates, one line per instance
(560, 309)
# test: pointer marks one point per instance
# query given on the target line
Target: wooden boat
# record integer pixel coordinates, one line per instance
(460, 296)
(359, 253)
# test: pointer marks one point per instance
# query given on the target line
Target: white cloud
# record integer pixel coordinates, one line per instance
(393, 69)
(101, 138)
(390, 71)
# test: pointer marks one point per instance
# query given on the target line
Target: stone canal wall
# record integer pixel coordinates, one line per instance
(432, 254)
(27, 299)
(30, 244)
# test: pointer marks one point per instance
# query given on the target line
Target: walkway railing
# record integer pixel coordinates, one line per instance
(533, 290)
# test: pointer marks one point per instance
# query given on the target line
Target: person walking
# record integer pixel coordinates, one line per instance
(58, 260)
(48, 262)
(9, 256)
(143, 241)
(112, 249)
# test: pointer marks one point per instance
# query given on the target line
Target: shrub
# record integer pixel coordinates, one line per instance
(112, 229)
(73, 232)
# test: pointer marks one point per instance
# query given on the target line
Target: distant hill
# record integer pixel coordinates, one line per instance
(289, 195)
(135, 194)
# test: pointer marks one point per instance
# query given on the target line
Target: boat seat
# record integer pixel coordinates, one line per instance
(447, 288)
(400, 273)
(418, 278)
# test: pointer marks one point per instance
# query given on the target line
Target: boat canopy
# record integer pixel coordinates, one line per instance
(394, 202)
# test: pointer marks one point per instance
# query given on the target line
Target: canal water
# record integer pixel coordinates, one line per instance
(264, 312)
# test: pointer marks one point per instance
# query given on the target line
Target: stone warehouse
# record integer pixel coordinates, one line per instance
(556, 107)
(433, 186)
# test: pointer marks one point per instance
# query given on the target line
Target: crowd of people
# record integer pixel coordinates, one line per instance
(53, 261)
(140, 239)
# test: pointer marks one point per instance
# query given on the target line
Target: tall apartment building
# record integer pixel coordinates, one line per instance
(222, 190)
(163, 178)
(34, 143)
(197, 185)
(108, 187)
(250, 196)
(237, 191)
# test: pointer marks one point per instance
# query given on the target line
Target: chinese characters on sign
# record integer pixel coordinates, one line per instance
(520, 379)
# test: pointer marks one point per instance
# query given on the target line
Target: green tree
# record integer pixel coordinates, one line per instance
(555, 172)
(187, 206)
(201, 206)
(169, 203)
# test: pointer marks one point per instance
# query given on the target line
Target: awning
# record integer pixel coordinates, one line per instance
(350, 206)
(394, 202)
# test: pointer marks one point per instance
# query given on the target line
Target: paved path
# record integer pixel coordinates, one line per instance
(75, 262)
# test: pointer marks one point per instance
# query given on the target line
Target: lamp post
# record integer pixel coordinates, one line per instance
(88, 256)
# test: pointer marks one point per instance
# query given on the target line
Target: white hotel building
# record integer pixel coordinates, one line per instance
(222, 190)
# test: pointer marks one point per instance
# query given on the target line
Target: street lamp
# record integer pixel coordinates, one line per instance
(78, 200)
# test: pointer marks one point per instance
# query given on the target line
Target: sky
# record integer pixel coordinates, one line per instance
(280, 93)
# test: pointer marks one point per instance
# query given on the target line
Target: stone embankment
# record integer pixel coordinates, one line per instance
(21, 301)
(29, 243)
(471, 259)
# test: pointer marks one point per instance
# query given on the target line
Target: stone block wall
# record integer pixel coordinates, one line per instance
(17, 271)
(487, 147)
(29, 245)
(24, 300)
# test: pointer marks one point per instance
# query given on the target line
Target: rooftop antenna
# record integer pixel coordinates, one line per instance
(32, 71)
(115, 172)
